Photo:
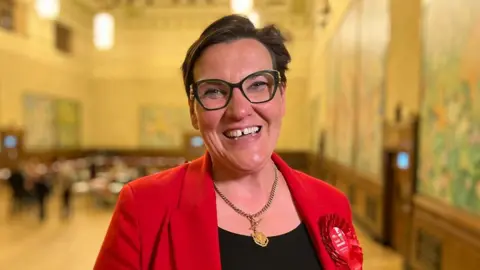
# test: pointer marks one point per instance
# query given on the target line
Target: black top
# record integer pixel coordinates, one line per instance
(290, 251)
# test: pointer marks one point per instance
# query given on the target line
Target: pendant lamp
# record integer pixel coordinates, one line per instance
(47, 9)
(103, 31)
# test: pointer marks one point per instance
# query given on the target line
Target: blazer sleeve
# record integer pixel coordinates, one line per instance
(121, 247)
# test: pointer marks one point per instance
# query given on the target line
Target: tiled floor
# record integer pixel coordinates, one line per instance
(60, 245)
(377, 257)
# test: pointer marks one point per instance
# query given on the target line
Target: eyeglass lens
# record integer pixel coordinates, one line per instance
(258, 88)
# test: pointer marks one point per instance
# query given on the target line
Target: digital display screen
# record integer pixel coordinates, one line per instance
(403, 160)
(10, 141)
(196, 141)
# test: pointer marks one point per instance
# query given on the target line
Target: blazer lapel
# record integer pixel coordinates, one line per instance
(193, 225)
(309, 207)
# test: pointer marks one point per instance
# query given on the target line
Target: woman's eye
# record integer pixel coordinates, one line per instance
(257, 85)
(213, 92)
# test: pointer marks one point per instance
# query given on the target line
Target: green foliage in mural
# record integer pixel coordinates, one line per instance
(163, 126)
(450, 125)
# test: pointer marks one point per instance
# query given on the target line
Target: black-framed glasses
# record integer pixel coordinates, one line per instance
(215, 94)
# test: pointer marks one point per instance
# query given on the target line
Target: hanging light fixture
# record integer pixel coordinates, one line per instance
(103, 31)
(241, 6)
(47, 9)
(254, 18)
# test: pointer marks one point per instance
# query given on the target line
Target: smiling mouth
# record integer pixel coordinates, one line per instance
(238, 133)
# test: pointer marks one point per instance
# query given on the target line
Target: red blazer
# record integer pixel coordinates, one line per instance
(168, 221)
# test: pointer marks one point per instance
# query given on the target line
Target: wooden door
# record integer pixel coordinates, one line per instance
(11, 147)
(402, 194)
(400, 180)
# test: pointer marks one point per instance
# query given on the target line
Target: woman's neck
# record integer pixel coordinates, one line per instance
(244, 184)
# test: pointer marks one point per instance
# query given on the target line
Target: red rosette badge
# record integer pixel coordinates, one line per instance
(341, 242)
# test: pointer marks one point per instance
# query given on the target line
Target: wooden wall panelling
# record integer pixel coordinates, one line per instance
(329, 166)
(298, 160)
(316, 167)
(343, 176)
(444, 237)
(370, 198)
(365, 195)
(317, 162)
(368, 195)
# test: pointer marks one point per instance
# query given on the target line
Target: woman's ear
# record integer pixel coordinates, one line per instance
(193, 115)
(283, 89)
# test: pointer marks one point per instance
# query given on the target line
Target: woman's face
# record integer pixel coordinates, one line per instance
(232, 62)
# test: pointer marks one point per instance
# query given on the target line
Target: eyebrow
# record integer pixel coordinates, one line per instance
(248, 75)
(253, 77)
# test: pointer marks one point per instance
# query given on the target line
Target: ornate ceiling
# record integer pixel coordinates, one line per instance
(184, 14)
(152, 4)
(96, 5)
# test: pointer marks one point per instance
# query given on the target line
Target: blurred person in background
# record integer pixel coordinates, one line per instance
(39, 183)
(66, 176)
(16, 182)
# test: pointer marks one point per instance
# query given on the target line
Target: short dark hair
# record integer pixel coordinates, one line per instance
(234, 27)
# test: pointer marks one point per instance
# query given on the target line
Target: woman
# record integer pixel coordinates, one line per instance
(240, 206)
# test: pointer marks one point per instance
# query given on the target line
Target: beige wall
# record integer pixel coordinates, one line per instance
(403, 71)
(404, 62)
(148, 72)
(142, 69)
(318, 69)
(30, 63)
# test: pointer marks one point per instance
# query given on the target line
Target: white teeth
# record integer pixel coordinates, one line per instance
(234, 133)
(241, 132)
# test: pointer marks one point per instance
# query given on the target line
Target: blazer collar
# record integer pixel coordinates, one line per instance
(194, 224)
(309, 207)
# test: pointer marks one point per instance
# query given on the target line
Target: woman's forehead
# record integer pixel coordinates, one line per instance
(232, 61)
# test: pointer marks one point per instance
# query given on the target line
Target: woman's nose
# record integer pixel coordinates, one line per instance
(239, 106)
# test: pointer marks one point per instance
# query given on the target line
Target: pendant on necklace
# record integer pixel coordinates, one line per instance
(258, 237)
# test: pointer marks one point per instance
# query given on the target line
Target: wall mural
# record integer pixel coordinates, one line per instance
(355, 87)
(331, 56)
(450, 126)
(163, 126)
(315, 120)
(50, 122)
(345, 89)
(67, 122)
(39, 121)
(375, 36)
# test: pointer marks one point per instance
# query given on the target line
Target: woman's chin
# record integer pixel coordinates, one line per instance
(248, 162)
(247, 158)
